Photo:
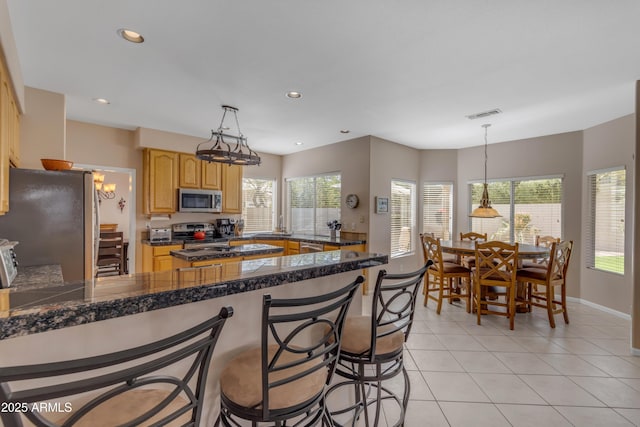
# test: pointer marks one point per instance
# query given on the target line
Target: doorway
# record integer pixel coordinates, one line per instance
(118, 208)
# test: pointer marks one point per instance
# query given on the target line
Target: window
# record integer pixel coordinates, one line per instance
(529, 207)
(313, 201)
(403, 206)
(258, 204)
(437, 208)
(605, 228)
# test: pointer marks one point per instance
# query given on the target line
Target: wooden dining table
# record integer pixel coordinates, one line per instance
(462, 248)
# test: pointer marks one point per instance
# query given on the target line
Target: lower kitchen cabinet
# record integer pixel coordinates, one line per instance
(293, 248)
(158, 258)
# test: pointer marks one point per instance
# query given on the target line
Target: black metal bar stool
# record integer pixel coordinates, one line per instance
(285, 378)
(372, 351)
(133, 390)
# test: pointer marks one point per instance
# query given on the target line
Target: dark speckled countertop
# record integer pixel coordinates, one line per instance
(37, 308)
(274, 236)
(204, 254)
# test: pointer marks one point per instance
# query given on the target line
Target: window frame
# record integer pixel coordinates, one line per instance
(590, 235)
(451, 205)
(512, 196)
(274, 204)
(413, 212)
(323, 231)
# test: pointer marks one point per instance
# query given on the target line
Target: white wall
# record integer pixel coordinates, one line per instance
(607, 145)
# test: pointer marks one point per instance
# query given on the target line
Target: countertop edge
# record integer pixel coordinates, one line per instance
(31, 323)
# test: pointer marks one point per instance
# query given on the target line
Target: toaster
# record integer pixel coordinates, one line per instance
(160, 234)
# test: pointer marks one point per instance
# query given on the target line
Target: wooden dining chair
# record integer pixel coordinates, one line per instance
(442, 276)
(110, 254)
(469, 261)
(496, 266)
(554, 275)
(544, 241)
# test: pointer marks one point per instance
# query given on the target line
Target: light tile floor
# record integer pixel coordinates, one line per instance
(462, 374)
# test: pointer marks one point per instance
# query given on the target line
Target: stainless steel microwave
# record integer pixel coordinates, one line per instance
(199, 200)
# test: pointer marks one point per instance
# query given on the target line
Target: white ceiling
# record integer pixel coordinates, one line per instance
(408, 71)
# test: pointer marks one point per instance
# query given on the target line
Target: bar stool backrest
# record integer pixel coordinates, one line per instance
(559, 256)
(130, 370)
(394, 303)
(496, 262)
(306, 334)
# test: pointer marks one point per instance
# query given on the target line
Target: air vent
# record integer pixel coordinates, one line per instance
(484, 114)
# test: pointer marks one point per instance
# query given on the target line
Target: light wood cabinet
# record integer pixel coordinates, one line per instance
(293, 248)
(231, 189)
(190, 171)
(160, 181)
(211, 175)
(9, 135)
(158, 258)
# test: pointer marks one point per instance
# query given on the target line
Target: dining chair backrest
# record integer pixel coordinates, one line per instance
(473, 236)
(559, 256)
(432, 250)
(394, 303)
(301, 337)
(546, 241)
(496, 263)
(131, 370)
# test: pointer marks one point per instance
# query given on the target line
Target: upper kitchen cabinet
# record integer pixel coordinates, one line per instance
(231, 189)
(195, 173)
(211, 175)
(160, 181)
(190, 171)
(9, 135)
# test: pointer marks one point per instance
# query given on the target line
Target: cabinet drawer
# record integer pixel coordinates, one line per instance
(165, 250)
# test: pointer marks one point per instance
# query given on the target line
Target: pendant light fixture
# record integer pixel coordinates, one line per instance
(223, 152)
(485, 210)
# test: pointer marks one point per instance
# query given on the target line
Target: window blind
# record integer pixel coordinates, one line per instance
(529, 207)
(437, 208)
(312, 202)
(402, 217)
(258, 204)
(606, 223)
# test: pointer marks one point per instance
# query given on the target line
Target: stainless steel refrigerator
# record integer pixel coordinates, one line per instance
(54, 217)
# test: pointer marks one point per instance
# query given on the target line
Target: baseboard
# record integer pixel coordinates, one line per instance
(635, 351)
(600, 307)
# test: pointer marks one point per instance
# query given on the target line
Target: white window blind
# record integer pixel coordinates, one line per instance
(606, 223)
(402, 217)
(258, 204)
(437, 208)
(529, 207)
(313, 201)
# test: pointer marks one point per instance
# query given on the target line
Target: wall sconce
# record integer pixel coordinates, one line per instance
(105, 191)
(122, 203)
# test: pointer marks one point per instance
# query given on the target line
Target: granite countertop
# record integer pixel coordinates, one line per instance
(204, 254)
(36, 275)
(34, 309)
(274, 236)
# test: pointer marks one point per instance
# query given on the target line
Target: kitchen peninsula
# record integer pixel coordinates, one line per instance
(105, 314)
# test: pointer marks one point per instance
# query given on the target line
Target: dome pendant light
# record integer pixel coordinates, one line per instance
(222, 152)
(485, 210)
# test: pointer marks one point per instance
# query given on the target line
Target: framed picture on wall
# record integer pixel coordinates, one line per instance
(382, 204)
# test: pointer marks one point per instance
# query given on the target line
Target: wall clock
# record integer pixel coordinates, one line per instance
(352, 200)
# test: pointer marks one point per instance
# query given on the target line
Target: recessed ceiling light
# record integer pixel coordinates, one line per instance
(130, 35)
(299, 143)
(101, 101)
(344, 131)
(294, 95)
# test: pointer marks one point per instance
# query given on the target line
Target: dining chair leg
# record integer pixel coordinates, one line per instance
(467, 285)
(440, 294)
(511, 291)
(563, 296)
(549, 294)
(426, 289)
(478, 299)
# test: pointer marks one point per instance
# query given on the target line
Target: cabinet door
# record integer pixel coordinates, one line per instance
(211, 175)
(163, 263)
(231, 189)
(4, 140)
(189, 171)
(161, 181)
